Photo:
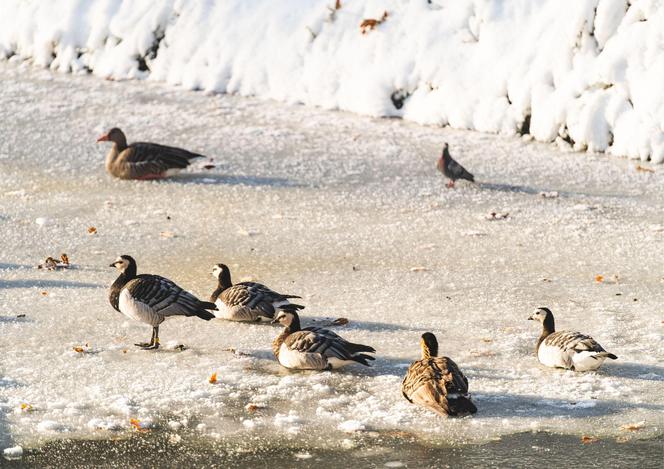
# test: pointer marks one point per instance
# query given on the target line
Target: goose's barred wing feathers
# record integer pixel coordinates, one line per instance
(567, 340)
(257, 296)
(307, 341)
(166, 298)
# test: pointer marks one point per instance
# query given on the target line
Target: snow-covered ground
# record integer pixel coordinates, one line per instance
(585, 72)
(346, 211)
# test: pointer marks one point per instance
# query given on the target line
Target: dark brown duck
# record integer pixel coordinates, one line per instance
(143, 160)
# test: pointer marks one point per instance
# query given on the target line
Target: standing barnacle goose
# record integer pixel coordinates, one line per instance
(151, 299)
(565, 349)
(143, 160)
(314, 348)
(247, 301)
(436, 382)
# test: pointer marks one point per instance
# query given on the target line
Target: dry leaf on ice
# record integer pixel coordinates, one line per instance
(92, 230)
(644, 169)
(251, 407)
(137, 425)
(79, 349)
(633, 427)
(213, 378)
(599, 278)
(585, 439)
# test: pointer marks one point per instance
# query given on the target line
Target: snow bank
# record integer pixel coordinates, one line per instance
(588, 72)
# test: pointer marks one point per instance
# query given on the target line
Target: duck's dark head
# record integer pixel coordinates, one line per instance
(429, 345)
(114, 135)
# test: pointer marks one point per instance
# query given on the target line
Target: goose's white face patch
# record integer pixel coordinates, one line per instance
(284, 318)
(121, 264)
(538, 315)
(216, 271)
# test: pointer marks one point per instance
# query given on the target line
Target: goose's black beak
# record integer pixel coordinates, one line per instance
(113, 264)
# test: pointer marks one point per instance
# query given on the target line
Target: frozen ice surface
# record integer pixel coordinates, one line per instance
(590, 72)
(347, 212)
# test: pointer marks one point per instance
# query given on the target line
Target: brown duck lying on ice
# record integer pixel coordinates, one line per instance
(142, 160)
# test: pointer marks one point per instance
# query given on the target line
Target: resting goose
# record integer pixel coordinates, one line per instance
(142, 160)
(451, 169)
(247, 301)
(565, 349)
(314, 348)
(151, 299)
(436, 382)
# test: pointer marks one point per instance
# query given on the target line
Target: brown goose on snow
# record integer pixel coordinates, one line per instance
(142, 160)
(437, 383)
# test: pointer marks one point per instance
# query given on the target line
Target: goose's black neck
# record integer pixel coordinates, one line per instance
(548, 328)
(116, 287)
(225, 280)
(294, 325)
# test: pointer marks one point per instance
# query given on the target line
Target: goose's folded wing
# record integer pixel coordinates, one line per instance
(573, 341)
(172, 156)
(163, 296)
(440, 372)
(312, 342)
(252, 295)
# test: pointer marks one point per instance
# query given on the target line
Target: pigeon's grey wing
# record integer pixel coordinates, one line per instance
(456, 171)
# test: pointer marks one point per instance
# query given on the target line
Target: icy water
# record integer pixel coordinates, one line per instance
(349, 213)
(520, 450)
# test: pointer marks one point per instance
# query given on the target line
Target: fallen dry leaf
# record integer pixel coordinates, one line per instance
(497, 216)
(340, 322)
(92, 230)
(486, 339)
(599, 278)
(633, 427)
(26, 407)
(251, 407)
(418, 269)
(137, 425)
(213, 378)
(370, 24)
(209, 166)
(79, 349)
(585, 439)
(44, 293)
(52, 264)
(644, 169)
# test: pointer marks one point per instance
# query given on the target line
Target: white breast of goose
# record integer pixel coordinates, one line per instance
(234, 313)
(301, 360)
(138, 310)
(553, 356)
